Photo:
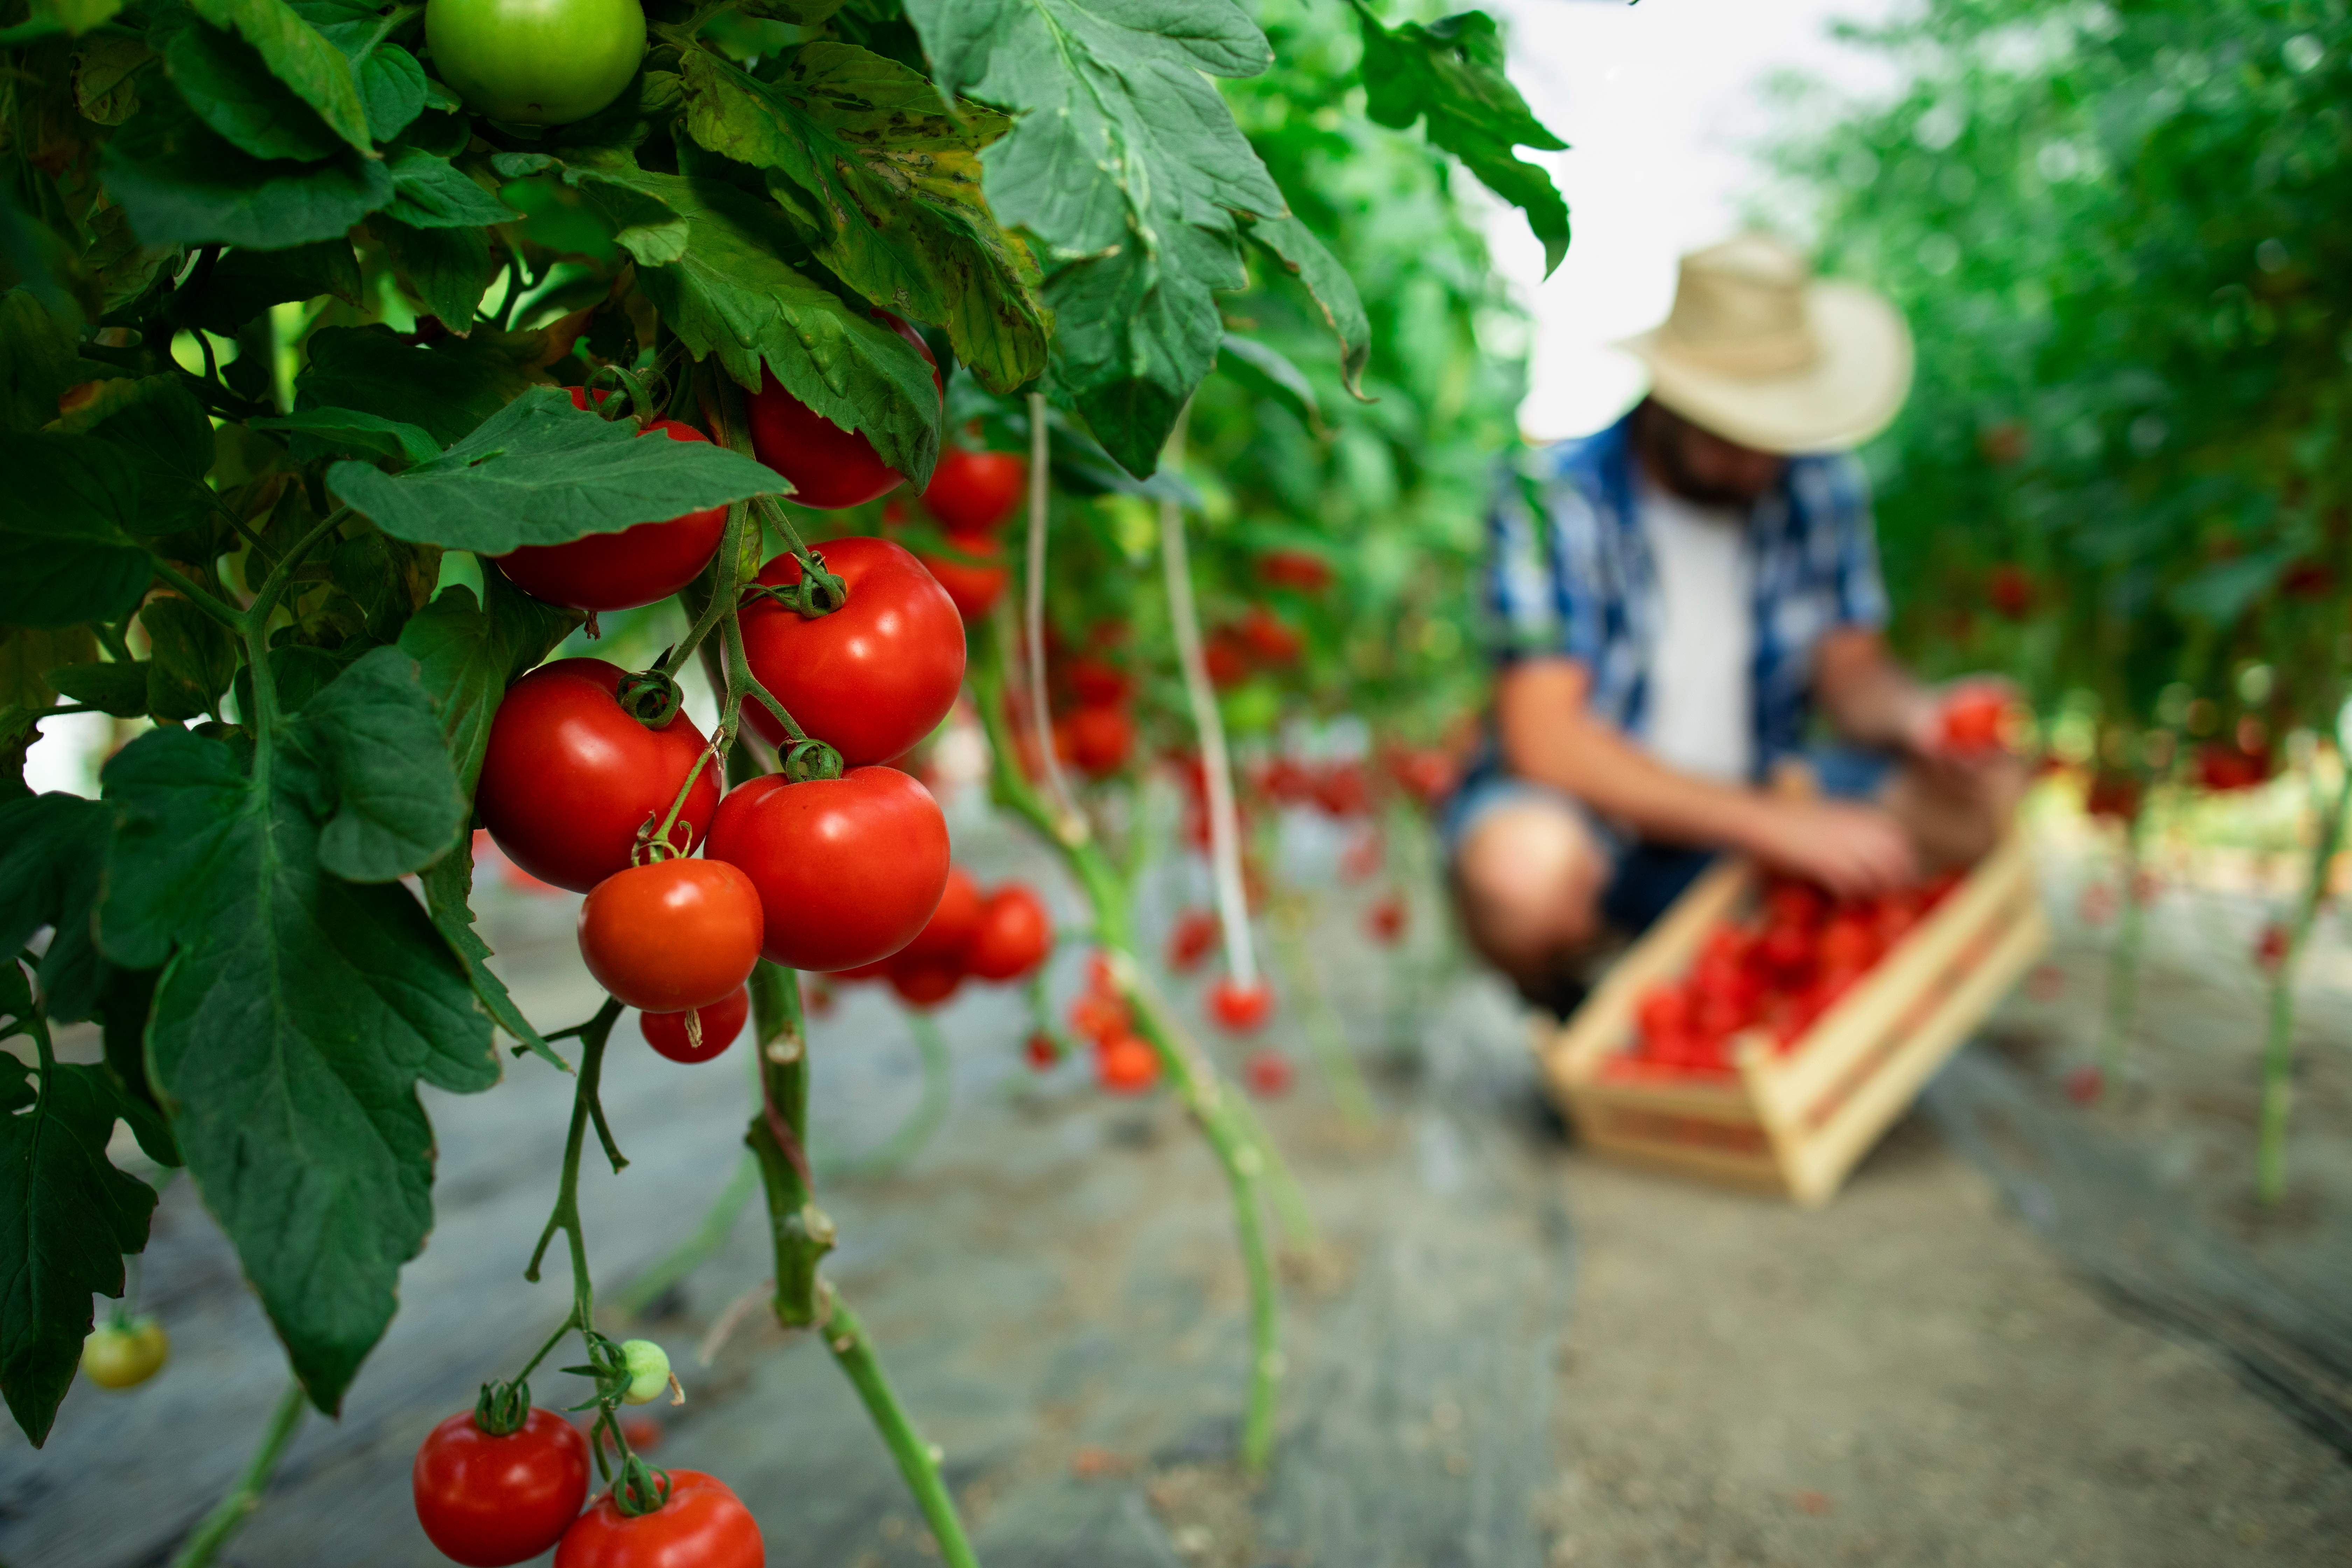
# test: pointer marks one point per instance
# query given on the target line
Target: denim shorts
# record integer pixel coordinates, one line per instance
(1645, 878)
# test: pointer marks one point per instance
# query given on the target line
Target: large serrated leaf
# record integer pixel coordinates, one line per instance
(892, 182)
(183, 184)
(470, 653)
(1128, 168)
(1328, 283)
(52, 848)
(430, 192)
(298, 55)
(539, 471)
(297, 1011)
(226, 84)
(449, 268)
(392, 84)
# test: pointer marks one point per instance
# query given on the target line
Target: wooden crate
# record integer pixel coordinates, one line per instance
(1797, 1123)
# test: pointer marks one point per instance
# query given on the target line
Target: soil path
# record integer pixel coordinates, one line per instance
(1502, 1353)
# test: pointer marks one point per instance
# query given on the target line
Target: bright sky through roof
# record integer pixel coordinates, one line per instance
(1659, 103)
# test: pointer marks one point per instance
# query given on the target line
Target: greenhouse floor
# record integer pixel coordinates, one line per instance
(1501, 1351)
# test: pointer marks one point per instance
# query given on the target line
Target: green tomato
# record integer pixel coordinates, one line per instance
(124, 1352)
(536, 62)
(1251, 709)
(648, 1371)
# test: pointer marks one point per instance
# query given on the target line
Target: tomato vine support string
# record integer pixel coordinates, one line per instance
(229, 1515)
(1041, 722)
(2278, 1045)
(1242, 1155)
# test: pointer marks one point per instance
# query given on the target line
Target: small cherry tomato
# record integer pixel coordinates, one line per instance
(672, 935)
(848, 869)
(1194, 935)
(621, 571)
(1269, 638)
(1100, 738)
(973, 493)
(702, 1525)
(829, 466)
(536, 62)
(1228, 661)
(1126, 1065)
(1012, 936)
(2270, 948)
(1296, 568)
(1041, 1050)
(718, 1022)
(1097, 683)
(1664, 1012)
(648, 1366)
(955, 920)
(1385, 921)
(974, 584)
(2086, 1084)
(1239, 1009)
(568, 778)
(1268, 1074)
(1971, 721)
(1101, 1019)
(923, 984)
(123, 1352)
(489, 1499)
(872, 677)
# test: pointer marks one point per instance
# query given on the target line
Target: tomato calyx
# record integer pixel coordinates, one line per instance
(640, 1488)
(502, 1408)
(819, 592)
(651, 697)
(810, 761)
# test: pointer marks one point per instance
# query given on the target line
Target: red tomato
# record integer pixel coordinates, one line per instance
(975, 588)
(1127, 1064)
(1269, 638)
(621, 571)
(1240, 1010)
(1295, 569)
(672, 935)
(1268, 1074)
(1849, 943)
(954, 922)
(1014, 935)
(488, 1502)
(1041, 1050)
(874, 676)
(2223, 767)
(1794, 903)
(2270, 948)
(829, 466)
(1189, 943)
(923, 983)
(1786, 949)
(973, 493)
(1101, 1019)
(703, 1525)
(568, 778)
(2086, 1084)
(2010, 591)
(1341, 790)
(1095, 683)
(2115, 795)
(1228, 661)
(1386, 921)
(1971, 721)
(720, 1022)
(848, 869)
(1100, 739)
(1664, 1012)
(878, 970)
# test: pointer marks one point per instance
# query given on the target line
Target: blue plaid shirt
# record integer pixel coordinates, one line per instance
(1569, 573)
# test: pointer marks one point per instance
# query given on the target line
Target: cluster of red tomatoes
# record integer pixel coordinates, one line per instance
(1779, 973)
(1125, 1062)
(1259, 640)
(997, 936)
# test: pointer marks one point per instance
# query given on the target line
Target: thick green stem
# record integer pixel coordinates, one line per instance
(229, 1515)
(2278, 1047)
(585, 1112)
(803, 1234)
(919, 1461)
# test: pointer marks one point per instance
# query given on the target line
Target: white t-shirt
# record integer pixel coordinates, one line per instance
(1701, 715)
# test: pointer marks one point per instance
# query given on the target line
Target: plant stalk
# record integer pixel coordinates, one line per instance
(229, 1514)
(2278, 1047)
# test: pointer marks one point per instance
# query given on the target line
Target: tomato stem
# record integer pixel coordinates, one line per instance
(229, 1515)
(919, 1461)
(594, 1033)
(2278, 1047)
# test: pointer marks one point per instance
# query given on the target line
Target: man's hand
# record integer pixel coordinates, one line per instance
(1849, 848)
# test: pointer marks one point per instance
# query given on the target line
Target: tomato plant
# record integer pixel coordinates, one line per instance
(125, 1351)
(972, 493)
(1012, 935)
(489, 1498)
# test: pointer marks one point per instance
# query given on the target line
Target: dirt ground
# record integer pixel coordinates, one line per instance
(1501, 1351)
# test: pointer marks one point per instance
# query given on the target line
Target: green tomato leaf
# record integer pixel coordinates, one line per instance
(1267, 372)
(119, 689)
(347, 432)
(160, 433)
(448, 268)
(66, 1217)
(1294, 246)
(36, 361)
(193, 662)
(28, 657)
(1451, 74)
(1128, 168)
(471, 653)
(52, 849)
(374, 735)
(67, 555)
(245, 282)
(298, 1011)
(74, 16)
(298, 55)
(448, 887)
(123, 1005)
(183, 184)
(103, 88)
(228, 86)
(392, 84)
(541, 471)
(430, 192)
(710, 258)
(445, 389)
(893, 183)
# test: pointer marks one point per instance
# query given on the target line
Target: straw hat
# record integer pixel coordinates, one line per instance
(1760, 351)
